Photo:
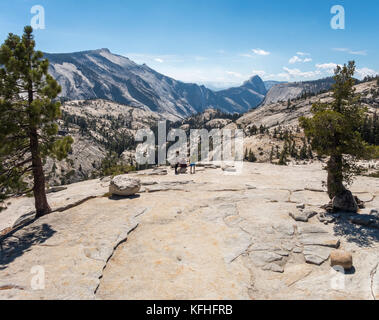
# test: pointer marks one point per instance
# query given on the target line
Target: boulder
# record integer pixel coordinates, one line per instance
(124, 186)
(345, 202)
(341, 258)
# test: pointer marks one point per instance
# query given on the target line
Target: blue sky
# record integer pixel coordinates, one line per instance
(216, 42)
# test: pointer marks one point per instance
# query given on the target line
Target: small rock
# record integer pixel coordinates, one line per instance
(250, 186)
(227, 168)
(360, 203)
(105, 179)
(325, 218)
(300, 206)
(316, 254)
(124, 186)
(302, 216)
(319, 240)
(273, 267)
(297, 250)
(345, 202)
(328, 207)
(341, 258)
(56, 189)
(262, 258)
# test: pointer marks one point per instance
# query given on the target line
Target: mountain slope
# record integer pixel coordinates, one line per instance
(293, 90)
(270, 83)
(101, 74)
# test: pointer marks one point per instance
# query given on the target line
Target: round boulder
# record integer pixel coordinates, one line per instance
(124, 186)
(341, 258)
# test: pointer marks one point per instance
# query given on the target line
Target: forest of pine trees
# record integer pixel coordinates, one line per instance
(370, 129)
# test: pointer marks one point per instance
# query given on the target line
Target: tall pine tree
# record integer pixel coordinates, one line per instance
(28, 118)
(334, 130)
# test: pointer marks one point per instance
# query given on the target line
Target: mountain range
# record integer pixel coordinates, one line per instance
(100, 74)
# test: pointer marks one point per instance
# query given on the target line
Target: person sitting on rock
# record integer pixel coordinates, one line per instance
(180, 162)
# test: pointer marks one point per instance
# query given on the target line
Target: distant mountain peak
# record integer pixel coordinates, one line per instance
(102, 50)
(256, 83)
(253, 79)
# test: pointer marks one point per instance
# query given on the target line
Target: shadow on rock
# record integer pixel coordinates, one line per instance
(116, 197)
(357, 228)
(15, 245)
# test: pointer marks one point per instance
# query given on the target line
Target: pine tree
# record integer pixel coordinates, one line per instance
(28, 115)
(334, 130)
(309, 152)
(272, 154)
(303, 151)
(283, 158)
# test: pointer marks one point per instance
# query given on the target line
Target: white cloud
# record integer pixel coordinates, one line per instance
(246, 55)
(359, 53)
(364, 72)
(353, 52)
(296, 59)
(299, 53)
(260, 52)
(298, 73)
(234, 74)
(260, 73)
(327, 67)
(281, 75)
(151, 58)
(324, 66)
(341, 49)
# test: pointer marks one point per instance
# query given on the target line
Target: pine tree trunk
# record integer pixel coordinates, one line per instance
(335, 177)
(41, 204)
